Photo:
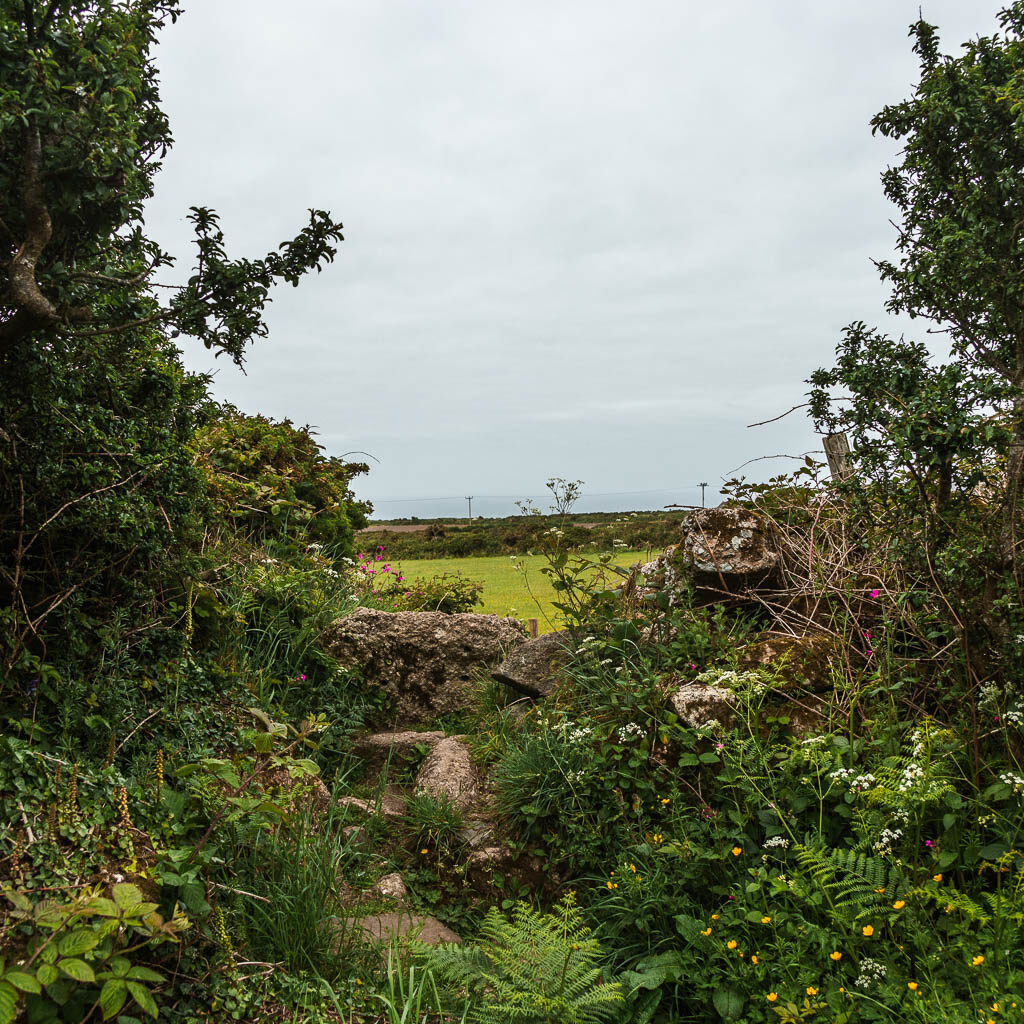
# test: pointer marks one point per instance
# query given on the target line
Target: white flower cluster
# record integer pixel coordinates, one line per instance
(813, 741)
(576, 776)
(858, 784)
(1016, 716)
(911, 778)
(887, 839)
(588, 643)
(917, 738)
(1012, 779)
(630, 731)
(732, 680)
(870, 972)
(777, 842)
(578, 734)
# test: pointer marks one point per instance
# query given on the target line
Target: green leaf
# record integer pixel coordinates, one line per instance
(143, 997)
(112, 997)
(120, 966)
(145, 974)
(81, 940)
(77, 970)
(688, 760)
(26, 982)
(728, 1002)
(127, 895)
(47, 974)
(8, 1002)
(709, 758)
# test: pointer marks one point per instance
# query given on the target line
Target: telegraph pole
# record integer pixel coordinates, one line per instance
(469, 498)
(702, 486)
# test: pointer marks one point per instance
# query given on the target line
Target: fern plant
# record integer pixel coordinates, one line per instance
(852, 880)
(535, 969)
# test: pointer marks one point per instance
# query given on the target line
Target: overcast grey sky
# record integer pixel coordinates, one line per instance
(586, 239)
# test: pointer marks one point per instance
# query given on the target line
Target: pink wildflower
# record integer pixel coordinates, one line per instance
(875, 593)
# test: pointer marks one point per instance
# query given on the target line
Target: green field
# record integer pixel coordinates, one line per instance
(524, 593)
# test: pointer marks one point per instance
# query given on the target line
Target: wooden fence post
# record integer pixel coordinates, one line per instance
(837, 451)
(532, 626)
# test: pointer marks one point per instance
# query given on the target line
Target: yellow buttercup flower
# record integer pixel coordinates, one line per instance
(899, 904)
(868, 930)
(424, 851)
(753, 959)
(977, 961)
(912, 985)
(706, 931)
(772, 996)
(836, 955)
(937, 878)
(715, 917)
(737, 850)
(995, 1007)
(731, 944)
(766, 919)
(811, 990)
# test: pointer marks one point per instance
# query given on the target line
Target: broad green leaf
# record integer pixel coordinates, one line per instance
(728, 1002)
(77, 970)
(26, 982)
(127, 895)
(8, 1002)
(120, 966)
(79, 941)
(145, 974)
(142, 996)
(112, 997)
(47, 974)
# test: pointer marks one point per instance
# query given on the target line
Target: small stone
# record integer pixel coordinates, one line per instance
(391, 887)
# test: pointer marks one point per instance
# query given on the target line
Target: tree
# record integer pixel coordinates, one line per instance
(101, 503)
(81, 138)
(959, 188)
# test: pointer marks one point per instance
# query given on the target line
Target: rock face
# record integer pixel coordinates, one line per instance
(796, 661)
(394, 749)
(385, 928)
(448, 771)
(425, 660)
(726, 550)
(698, 704)
(532, 667)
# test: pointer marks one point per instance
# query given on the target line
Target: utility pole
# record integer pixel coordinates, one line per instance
(469, 498)
(702, 486)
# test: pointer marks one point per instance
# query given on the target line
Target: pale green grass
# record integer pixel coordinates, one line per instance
(512, 586)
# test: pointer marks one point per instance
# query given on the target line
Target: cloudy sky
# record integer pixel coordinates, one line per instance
(582, 238)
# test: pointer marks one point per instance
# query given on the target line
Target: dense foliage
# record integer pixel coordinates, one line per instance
(837, 835)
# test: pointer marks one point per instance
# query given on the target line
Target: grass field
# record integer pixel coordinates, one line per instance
(524, 593)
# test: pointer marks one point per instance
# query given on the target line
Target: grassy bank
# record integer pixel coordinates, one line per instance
(512, 586)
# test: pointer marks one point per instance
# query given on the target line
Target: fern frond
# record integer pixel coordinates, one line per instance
(852, 879)
(951, 899)
(536, 968)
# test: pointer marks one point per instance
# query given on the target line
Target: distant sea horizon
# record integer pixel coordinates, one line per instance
(499, 506)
